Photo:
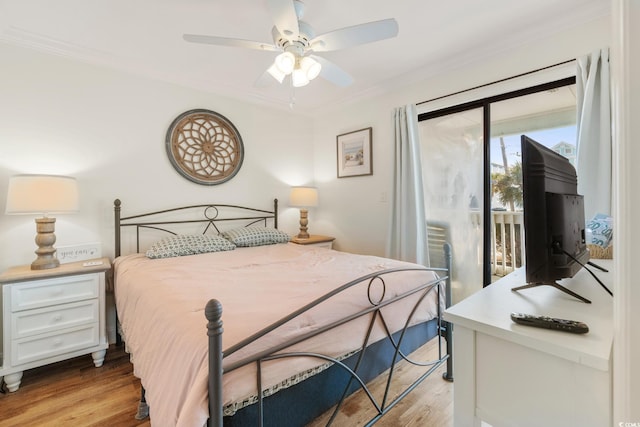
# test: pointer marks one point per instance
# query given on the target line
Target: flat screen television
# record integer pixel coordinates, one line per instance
(554, 225)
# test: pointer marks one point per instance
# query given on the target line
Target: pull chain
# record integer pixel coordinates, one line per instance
(292, 94)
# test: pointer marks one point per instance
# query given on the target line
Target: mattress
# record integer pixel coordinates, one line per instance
(161, 302)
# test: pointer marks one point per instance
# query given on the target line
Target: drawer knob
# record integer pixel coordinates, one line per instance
(57, 291)
(57, 342)
(57, 317)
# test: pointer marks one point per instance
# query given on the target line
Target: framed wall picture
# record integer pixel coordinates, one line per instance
(355, 157)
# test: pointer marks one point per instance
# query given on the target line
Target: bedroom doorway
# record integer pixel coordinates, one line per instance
(471, 179)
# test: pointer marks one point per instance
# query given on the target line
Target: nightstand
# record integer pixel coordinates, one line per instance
(315, 240)
(51, 315)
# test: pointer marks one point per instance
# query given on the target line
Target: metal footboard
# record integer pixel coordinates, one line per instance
(214, 311)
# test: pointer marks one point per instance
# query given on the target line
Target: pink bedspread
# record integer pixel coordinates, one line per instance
(161, 304)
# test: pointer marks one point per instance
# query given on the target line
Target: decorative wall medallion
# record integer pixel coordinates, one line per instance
(204, 147)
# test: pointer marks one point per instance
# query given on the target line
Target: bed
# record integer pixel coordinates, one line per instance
(304, 327)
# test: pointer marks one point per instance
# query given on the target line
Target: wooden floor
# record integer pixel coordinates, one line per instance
(74, 393)
(428, 405)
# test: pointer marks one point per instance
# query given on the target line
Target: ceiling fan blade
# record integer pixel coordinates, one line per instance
(224, 41)
(285, 18)
(331, 72)
(355, 35)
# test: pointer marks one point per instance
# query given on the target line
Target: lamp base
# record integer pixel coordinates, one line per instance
(44, 263)
(304, 220)
(45, 239)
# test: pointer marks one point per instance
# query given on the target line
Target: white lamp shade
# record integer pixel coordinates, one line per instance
(311, 67)
(276, 73)
(42, 194)
(285, 62)
(303, 197)
(299, 78)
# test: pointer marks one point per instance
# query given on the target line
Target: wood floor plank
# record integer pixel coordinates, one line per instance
(75, 393)
(428, 405)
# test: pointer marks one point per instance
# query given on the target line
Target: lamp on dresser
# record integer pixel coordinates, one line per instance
(43, 195)
(303, 197)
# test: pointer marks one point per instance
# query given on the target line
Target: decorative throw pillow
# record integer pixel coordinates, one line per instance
(255, 236)
(183, 244)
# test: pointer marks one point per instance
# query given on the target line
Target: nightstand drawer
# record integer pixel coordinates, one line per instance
(44, 293)
(35, 348)
(33, 322)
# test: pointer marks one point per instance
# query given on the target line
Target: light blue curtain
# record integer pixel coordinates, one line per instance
(407, 239)
(594, 132)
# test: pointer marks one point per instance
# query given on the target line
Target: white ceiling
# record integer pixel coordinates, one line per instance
(145, 37)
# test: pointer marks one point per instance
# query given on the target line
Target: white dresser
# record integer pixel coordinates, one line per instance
(51, 315)
(506, 374)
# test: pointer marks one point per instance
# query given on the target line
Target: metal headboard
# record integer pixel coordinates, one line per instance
(209, 215)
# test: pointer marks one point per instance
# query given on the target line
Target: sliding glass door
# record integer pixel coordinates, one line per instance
(472, 174)
(452, 147)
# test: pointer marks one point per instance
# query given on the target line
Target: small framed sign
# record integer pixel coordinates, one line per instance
(355, 156)
(79, 252)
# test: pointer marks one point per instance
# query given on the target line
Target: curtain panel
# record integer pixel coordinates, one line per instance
(407, 238)
(594, 132)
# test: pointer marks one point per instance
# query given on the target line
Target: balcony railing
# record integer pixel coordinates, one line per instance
(507, 241)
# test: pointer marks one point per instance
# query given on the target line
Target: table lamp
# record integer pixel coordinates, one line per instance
(303, 197)
(43, 195)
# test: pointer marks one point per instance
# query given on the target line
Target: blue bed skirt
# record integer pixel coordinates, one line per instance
(302, 403)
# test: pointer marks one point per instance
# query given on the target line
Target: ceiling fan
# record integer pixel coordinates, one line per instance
(297, 43)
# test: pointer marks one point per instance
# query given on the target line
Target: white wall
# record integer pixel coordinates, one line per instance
(625, 67)
(352, 208)
(107, 128)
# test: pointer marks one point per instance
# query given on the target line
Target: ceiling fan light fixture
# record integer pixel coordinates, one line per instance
(296, 44)
(285, 62)
(310, 67)
(299, 78)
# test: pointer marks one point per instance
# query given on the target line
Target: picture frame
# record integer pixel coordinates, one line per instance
(354, 153)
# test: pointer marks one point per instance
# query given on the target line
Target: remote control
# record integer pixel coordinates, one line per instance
(572, 326)
(91, 263)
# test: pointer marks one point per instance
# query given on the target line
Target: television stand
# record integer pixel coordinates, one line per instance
(555, 285)
(506, 373)
(593, 264)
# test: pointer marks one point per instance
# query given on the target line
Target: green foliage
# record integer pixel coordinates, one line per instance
(508, 186)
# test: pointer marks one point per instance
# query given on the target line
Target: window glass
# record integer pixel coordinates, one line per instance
(452, 151)
(549, 117)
